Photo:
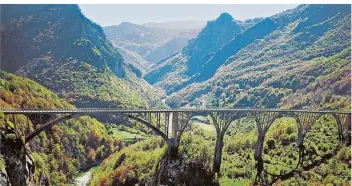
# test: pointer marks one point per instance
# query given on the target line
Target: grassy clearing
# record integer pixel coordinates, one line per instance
(118, 134)
(204, 126)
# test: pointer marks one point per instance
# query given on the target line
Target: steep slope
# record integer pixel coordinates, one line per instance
(173, 73)
(171, 46)
(134, 59)
(151, 43)
(61, 152)
(267, 50)
(60, 48)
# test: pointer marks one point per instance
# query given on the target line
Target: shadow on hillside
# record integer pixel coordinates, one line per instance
(291, 174)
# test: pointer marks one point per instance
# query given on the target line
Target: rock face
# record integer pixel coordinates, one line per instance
(3, 177)
(18, 160)
(182, 172)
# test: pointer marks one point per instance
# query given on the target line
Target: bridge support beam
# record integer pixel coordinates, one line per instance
(178, 123)
(175, 124)
(221, 121)
(263, 121)
(304, 122)
(343, 122)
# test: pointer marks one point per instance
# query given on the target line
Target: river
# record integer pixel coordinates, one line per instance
(83, 180)
(85, 177)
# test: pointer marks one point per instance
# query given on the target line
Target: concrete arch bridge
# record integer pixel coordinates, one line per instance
(171, 123)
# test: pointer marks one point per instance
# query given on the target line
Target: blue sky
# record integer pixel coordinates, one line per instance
(114, 14)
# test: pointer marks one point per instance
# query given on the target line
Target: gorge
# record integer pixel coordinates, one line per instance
(53, 57)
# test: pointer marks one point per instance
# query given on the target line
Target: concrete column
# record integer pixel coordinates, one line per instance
(170, 124)
(258, 152)
(173, 124)
(172, 141)
(300, 137)
(219, 144)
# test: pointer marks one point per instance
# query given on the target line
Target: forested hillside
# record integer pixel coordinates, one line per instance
(326, 161)
(59, 153)
(57, 46)
(256, 55)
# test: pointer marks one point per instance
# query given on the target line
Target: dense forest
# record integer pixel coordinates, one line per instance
(60, 153)
(54, 57)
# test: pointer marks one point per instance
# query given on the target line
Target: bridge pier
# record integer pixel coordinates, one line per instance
(263, 121)
(175, 124)
(173, 142)
(304, 122)
(341, 120)
(221, 121)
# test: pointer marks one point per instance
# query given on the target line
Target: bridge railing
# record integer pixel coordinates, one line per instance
(137, 110)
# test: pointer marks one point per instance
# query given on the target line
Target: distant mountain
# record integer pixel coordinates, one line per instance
(172, 46)
(230, 61)
(61, 49)
(189, 61)
(151, 43)
(175, 25)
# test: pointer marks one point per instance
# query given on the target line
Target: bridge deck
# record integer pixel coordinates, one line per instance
(123, 110)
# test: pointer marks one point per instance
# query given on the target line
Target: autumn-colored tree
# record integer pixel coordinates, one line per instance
(91, 155)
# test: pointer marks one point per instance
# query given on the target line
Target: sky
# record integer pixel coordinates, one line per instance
(107, 15)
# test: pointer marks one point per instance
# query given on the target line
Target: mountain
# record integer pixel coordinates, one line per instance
(151, 43)
(134, 59)
(57, 46)
(136, 37)
(189, 61)
(174, 25)
(228, 71)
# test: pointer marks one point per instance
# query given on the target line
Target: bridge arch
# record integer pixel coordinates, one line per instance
(49, 124)
(175, 124)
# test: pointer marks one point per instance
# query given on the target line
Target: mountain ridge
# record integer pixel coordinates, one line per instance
(293, 35)
(79, 64)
